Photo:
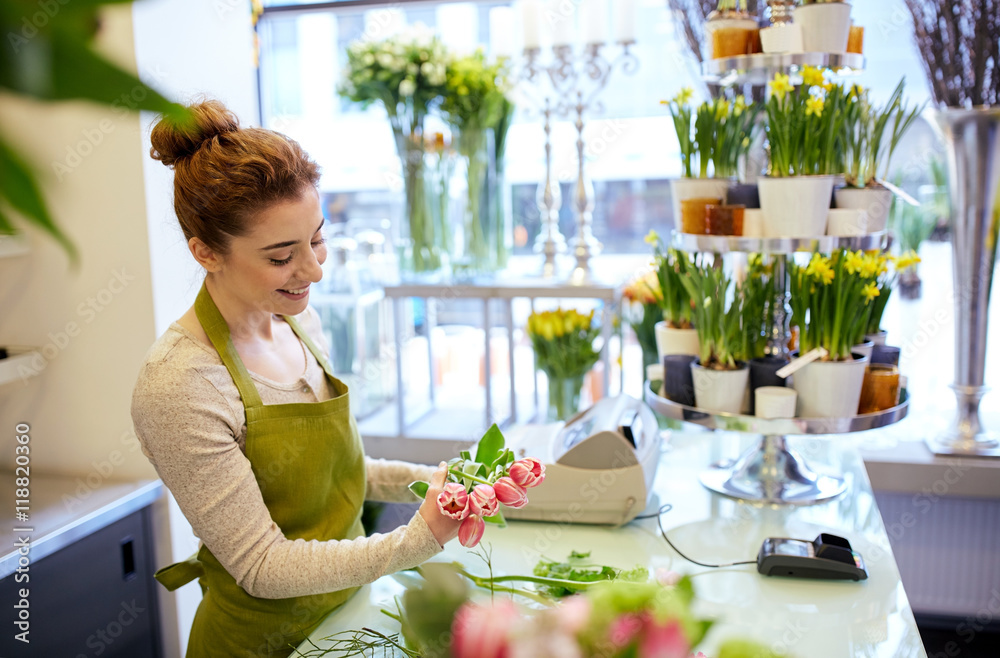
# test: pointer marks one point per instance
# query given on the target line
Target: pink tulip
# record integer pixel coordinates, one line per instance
(527, 472)
(483, 500)
(510, 493)
(663, 640)
(453, 501)
(471, 531)
(624, 629)
(573, 613)
(482, 631)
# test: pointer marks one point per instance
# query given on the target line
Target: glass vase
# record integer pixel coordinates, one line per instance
(472, 253)
(564, 397)
(420, 251)
(500, 232)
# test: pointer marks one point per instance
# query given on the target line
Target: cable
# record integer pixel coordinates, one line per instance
(659, 521)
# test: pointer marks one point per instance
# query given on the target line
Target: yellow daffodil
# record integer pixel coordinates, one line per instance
(857, 91)
(683, 97)
(780, 86)
(812, 76)
(652, 238)
(819, 268)
(906, 261)
(870, 292)
(828, 86)
(721, 109)
(853, 262)
(871, 265)
(739, 104)
(814, 106)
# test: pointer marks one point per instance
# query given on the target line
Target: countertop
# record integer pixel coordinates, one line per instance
(65, 508)
(802, 617)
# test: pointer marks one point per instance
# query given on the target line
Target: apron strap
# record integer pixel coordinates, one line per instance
(180, 573)
(218, 332)
(305, 338)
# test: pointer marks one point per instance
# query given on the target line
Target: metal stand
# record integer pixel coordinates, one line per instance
(771, 472)
(550, 241)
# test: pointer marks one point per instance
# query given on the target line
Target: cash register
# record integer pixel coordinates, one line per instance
(599, 465)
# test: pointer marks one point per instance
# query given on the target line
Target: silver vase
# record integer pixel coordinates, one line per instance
(972, 138)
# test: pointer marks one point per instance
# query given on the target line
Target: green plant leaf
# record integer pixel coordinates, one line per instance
(20, 191)
(419, 489)
(490, 445)
(497, 519)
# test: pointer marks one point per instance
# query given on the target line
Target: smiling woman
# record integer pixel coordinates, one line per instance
(238, 409)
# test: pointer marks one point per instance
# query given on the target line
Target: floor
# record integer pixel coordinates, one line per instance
(957, 641)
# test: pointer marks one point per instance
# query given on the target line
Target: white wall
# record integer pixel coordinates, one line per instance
(136, 275)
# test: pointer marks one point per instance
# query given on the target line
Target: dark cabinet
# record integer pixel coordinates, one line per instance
(94, 597)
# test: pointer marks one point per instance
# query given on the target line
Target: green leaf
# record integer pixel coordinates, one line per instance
(490, 445)
(576, 555)
(496, 519)
(20, 191)
(419, 489)
(466, 455)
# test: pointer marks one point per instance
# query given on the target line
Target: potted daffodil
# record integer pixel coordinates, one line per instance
(675, 332)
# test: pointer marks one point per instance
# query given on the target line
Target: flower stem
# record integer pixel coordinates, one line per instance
(474, 478)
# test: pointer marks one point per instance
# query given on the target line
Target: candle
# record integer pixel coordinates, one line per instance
(595, 21)
(624, 20)
(530, 14)
(502, 31)
(559, 17)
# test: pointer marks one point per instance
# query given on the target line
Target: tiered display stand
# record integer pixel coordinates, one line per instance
(770, 471)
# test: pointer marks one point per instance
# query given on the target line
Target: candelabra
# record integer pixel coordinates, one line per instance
(576, 81)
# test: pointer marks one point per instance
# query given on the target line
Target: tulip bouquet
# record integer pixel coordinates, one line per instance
(642, 311)
(476, 488)
(563, 341)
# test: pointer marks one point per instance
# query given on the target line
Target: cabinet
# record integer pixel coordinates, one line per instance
(90, 578)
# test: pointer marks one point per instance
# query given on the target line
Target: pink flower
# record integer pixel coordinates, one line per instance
(483, 500)
(481, 631)
(453, 501)
(666, 577)
(664, 640)
(624, 629)
(510, 493)
(573, 614)
(471, 531)
(527, 472)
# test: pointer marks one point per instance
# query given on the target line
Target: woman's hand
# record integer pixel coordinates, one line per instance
(443, 528)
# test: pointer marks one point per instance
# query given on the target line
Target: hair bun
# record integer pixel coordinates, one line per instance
(173, 140)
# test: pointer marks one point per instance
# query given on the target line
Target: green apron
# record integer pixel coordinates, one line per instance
(309, 463)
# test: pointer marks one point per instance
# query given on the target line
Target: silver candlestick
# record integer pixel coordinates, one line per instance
(577, 80)
(550, 241)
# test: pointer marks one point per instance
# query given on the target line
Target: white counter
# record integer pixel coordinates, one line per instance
(806, 618)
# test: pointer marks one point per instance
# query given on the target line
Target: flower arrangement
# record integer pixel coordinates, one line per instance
(716, 317)
(476, 488)
(865, 132)
(407, 74)
(671, 265)
(884, 282)
(643, 302)
(717, 132)
(757, 295)
(440, 616)
(563, 341)
(831, 298)
(475, 102)
(805, 125)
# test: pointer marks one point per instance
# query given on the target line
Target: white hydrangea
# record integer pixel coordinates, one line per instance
(407, 87)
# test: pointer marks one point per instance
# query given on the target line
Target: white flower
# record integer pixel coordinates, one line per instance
(427, 68)
(412, 69)
(385, 60)
(407, 87)
(368, 59)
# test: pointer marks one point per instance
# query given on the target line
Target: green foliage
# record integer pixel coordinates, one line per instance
(805, 125)
(716, 317)
(719, 132)
(578, 569)
(563, 341)
(53, 60)
(865, 128)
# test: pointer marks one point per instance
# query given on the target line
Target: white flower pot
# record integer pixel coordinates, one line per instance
(830, 389)
(781, 38)
(825, 26)
(864, 349)
(878, 338)
(721, 390)
(670, 340)
(847, 222)
(753, 223)
(696, 188)
(874, 200)
(795, 206)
